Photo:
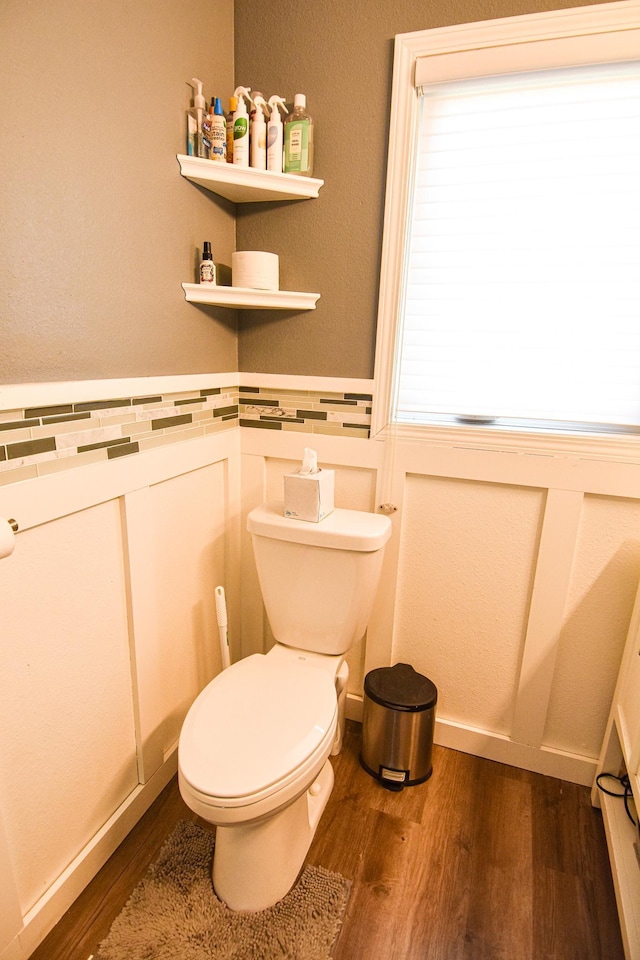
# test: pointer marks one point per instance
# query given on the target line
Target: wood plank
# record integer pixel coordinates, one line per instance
(499, 921)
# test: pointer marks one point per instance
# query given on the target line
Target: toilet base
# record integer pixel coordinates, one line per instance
(256, 864)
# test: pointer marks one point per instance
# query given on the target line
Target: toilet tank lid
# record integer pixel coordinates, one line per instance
(340, 530)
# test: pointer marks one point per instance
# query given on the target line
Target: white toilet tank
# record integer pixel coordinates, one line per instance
(318, 580)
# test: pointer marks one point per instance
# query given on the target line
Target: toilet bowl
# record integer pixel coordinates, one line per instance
(254, 748)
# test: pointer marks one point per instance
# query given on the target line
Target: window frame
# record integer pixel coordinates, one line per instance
(478, 40)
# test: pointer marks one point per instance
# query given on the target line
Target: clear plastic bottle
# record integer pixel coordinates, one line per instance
(275, 134)
(298, 139)
(195, 116)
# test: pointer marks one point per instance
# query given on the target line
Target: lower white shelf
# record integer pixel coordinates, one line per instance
(625, 870)
(239, 297)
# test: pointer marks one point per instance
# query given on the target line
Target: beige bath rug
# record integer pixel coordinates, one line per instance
(174, 914)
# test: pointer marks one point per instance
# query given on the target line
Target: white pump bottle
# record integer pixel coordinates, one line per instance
(275, 134)
(258, 134)
(241, 128)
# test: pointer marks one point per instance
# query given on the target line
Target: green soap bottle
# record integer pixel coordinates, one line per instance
(298, 139)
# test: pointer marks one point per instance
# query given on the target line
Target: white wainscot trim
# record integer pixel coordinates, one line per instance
(493, 746)
(41, 499)
(44, 499)
(273, 381)
(284, 445)
(44, 915)
(17, 396)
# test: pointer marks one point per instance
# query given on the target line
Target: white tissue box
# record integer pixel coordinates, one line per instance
(309, 496)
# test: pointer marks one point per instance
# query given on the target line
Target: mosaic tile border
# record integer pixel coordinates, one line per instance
(309, 411)
(36, 441)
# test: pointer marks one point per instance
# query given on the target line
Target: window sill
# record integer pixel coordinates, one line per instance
(613, 447)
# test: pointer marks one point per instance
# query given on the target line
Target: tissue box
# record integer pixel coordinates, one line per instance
(309, 496)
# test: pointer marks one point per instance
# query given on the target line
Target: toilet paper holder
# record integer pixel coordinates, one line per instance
(14, 525)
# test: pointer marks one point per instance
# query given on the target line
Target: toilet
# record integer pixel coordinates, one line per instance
(253, 755)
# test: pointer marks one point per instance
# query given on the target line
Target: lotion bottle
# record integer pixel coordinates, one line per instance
(258, 134)
(218, 150)
(298, 139)
(241, 128)
(207, 266)
(275, 134)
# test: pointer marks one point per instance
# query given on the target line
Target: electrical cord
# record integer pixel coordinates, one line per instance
(626, 794)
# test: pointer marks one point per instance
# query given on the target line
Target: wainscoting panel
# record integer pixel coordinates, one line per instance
(600, 600)
(494, 558)
(66, 715)
(464, 589)
(509, 579)
(109, 633)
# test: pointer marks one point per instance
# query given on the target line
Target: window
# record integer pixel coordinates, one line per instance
(510, 290)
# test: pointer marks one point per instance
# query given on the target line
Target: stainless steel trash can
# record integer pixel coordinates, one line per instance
(397, 726)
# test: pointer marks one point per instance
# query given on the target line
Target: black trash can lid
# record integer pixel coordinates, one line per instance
(401, 688)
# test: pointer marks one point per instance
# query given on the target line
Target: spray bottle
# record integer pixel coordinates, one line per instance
(258, 134)
(252, 112)
(233, 103)
(274, 134)
(241, 128)
(218, 133)
(207, 265)
(298, 139)
(207, 132)
(195, 116)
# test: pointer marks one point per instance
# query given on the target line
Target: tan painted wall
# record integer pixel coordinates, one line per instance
(98, 229)
(340, 55)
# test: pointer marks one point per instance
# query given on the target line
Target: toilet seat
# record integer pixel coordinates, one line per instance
(256, 733)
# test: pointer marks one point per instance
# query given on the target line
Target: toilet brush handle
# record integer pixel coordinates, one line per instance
(221, 607)
(221, 616)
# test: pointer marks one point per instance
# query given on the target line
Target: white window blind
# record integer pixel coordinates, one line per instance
(522, 284)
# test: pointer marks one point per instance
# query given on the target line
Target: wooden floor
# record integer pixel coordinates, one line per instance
(482, 862)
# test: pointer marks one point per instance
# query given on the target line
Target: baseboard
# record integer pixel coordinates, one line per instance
(353, 708)
(492, 746)
(44, 915)
(13, 950)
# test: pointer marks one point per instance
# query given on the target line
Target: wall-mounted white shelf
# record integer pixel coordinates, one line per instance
(245, 184)
(244, 297)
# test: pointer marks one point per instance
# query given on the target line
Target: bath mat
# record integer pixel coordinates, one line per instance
(174, 914)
